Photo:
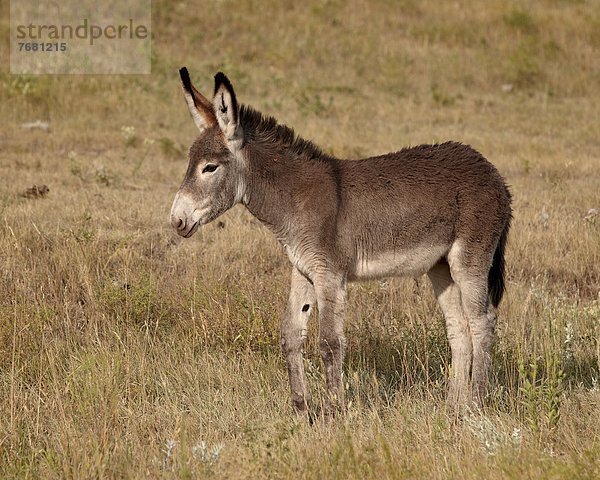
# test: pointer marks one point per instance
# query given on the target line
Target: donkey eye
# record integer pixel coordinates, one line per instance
(210, 168)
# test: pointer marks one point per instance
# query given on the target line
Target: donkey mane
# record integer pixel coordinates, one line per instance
(264, 129)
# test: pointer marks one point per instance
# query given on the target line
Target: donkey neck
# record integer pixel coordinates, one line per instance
(282, 170)
(268, 195)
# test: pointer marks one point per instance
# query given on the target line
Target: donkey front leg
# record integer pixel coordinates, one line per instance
(294, 330)
(331, 299)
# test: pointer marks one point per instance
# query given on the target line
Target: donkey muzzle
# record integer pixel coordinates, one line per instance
(185, 218)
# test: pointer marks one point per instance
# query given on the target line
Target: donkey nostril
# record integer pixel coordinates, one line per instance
(177, 222)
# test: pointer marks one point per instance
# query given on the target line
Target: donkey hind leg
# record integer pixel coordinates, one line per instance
(331, 298)
(294, 330)
(472, 280)
(449, 299)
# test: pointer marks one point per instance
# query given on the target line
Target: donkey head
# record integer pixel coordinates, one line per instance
(214, 181)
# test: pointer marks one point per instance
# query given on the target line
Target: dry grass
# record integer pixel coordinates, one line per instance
(123, 348)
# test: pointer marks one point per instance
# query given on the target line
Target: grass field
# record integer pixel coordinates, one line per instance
(127, 352)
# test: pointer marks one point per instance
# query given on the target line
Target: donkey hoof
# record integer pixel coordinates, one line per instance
(301, 405)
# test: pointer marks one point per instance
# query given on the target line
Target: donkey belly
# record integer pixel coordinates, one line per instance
(411, 262)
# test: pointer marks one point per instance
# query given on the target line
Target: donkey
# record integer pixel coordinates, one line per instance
(439, 209)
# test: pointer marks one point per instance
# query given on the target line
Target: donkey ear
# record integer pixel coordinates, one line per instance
(227, 111)
(199, 106)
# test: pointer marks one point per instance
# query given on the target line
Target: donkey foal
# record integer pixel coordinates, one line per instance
(440, 209)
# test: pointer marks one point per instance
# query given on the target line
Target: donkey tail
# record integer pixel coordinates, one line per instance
(496, 273)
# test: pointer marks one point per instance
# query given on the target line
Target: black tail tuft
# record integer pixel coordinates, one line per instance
(496, 274)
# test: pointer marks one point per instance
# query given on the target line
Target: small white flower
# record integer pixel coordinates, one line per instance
(168, 451)
(490, 436)
(516, 437)
(128, 132)
(568, 343)
(568, 333)
(591, 215)
(549, 450)
(170, 446)
(216, 451)
(199, 449)
(201, 452)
